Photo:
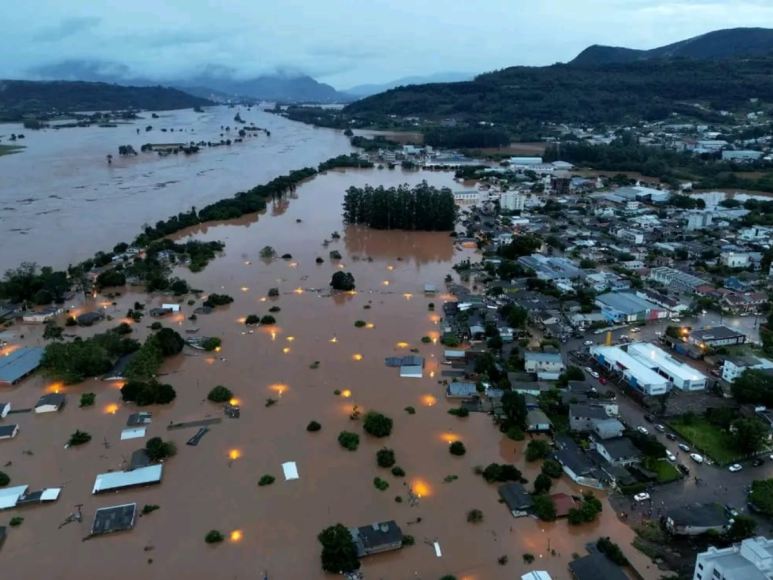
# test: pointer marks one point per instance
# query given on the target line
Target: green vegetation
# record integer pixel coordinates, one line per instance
(743, 527)
(4, 479)
(460, 412)
(110, 278)
(587, 511)
(78, 438)
(398, 471)
(423, 207)
(349, 440)
(374, 144)
(214, 537)
(16, 521)
(271, 402)
(148, 393)
(87, 399)
(612, 551)
(342, 281)
(377, 424)
(220, 394)
(537, 449)
(158, 449)
(212, 343)
(754, 387)
(542, 484)
(544, 507)
(706, 437)
(475, 516)
(343, 161)
(360, 323)
(426, 339)
(338, 551)
(410, 410)
(385, 457)
(313, 427)
(495, 472)
(266, 480)
(214, 300)
(665, 470)
(380, 484)
(252, 320)
(457, 448)
(552, 468)
(156, 326)
(408, 540)
(761, 496)
(528, 558)
(267, 320)
(335, 255)
(516, 433)
(149, 509)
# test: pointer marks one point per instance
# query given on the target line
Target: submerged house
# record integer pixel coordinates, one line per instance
(18, 364)
(377, 538)
(518, 500)
(49, 403)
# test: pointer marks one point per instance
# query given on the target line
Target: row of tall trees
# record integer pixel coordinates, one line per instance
(422, 207)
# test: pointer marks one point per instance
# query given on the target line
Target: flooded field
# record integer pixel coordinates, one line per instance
(60, 201)
(214, 485)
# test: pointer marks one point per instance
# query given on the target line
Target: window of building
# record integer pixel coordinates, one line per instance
(700, 566)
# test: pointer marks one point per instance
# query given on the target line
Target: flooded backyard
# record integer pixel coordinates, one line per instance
(214, 485)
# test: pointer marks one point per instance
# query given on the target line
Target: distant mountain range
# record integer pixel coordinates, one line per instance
(444, 77)
(20, 99)
(698, 78)
(713, 45)
(213, 81)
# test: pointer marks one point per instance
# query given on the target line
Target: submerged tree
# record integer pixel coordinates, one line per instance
(342, 281)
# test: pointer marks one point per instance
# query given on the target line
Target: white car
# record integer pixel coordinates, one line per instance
(677, 320)
(642, 430)
(660, 428)
(641, 496)
(594, 374)
(735, 467)
(670, 456)
(696, 458)
(588, 343)
(658, 333)
(637, 329)
(684, 447)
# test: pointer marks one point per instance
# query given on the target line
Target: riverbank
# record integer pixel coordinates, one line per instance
(10, 149)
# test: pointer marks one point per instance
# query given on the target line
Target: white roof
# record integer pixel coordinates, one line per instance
(618, 357)
(291, 470)
(10, 495)
(536, 575)
(411, 371)
(651, 355)
(172, 307)
(134, 433)
(120, 479)
(50, 494)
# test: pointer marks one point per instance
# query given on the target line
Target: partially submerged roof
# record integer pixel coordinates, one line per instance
(114, 519)
(53, 399)
(291, 470)
(141, 418)
(411, 372)
(461, 389)
(123, 479)
(564, 502)
(515, 496)
(9, 496)
(139, 459)
(40, 496)
(118, 372)
(19, 363)
(596, 567)
(699, 515)
(371, 538)
(133, 433)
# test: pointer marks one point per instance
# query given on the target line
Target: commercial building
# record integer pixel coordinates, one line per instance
(18, 364)
(467, 198)
(550, 362)
(640, 376)
(512, 201)
(735, 366)
(41, 316)
(697, 220)
(525, 161)
(680, 375)
(676, 279)
(752, 559)
(627, 307)
(741, 155)
(735, 259)
(550, 268)
(717, 336)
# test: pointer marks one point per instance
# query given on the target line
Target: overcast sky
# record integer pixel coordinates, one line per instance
(347, 42)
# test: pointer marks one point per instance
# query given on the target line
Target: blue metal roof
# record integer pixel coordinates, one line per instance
(19, 363)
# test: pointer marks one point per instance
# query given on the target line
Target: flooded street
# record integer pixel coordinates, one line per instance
(60, 201)
(214, 485)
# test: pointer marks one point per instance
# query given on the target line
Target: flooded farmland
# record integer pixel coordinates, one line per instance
(214, 485)
(60, 201)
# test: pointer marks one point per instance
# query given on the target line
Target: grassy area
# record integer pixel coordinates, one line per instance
(665, 470)
(706, 438)
(9, 149)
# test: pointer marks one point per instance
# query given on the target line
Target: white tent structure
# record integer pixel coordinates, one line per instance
(291, 470)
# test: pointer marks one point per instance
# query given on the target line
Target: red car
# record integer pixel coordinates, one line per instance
(602, 380)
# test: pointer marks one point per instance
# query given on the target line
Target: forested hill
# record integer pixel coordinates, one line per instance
(732, 42)
(28, 98)
(650, 89)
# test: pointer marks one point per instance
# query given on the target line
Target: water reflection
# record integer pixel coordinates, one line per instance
(421, 247)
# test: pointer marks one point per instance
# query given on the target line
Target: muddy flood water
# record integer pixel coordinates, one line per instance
(60, 201)
(214, 485)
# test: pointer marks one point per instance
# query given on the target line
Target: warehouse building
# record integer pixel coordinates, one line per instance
(634, 372)
(624, 307)
(18, 364)
(680, 375)
(676, 279)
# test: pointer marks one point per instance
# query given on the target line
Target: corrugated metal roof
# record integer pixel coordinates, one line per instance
(10, 495)
(411, 371)
(19, 363)
(120, 479)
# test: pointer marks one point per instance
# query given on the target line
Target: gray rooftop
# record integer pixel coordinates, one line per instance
(715, 333)
(625, 302)
(542, 356)
(515, 496)
(596, 567)
(699, 515)
(56, 399)
(587, 411)
(619, 447)
(114, 519)
(461, 389)
(19, 364)
(368, 538)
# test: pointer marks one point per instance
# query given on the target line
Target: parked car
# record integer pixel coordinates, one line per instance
(684, 447)
(696, 458)
(648, 418)
(670, 436)
(602, 380)
(594, 374)
(641, 496)
(658, 333)
(588, 343)
(677, 320)
(757, 462)
(670, 456)
(635, 330)
(731, 510)
(642, 430)
(660, 428)
(735, 467)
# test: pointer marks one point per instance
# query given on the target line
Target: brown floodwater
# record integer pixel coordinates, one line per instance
(60, 201)
(204, 489)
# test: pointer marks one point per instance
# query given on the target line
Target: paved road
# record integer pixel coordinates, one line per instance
(717, 483)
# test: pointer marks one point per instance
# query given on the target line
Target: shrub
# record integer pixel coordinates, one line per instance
(349, 440)
(398, 471)
(502, 560)
(544, 507)
(271, 402)
(218, 300)
(537, 449)
(151, 393)
(398, 499)
(380, 484)
(123, 329)
(266, 480)
(431, 306)
(156, 326)
(212, 343)
(385, 457)
(528, 558)
(516, 433)
(408, 540)
(268, 319)
(335, 255)
(267, 252)
(149, 509)
(313, 427)
(575, 516)
(377, 424)
(460, 412)
(158, 449)
(494, 472)
(214, 537)
(274, 309)
(70, 321)
(410, 410)
(287, 256)
(457, 448)
(448, 577)
(319, 260)
(252, 320)
(451, 341)
(4, 479)
(426, 339)
(542, 484)
(79, 438)
(273, 292)
(552, 468)
(360, 323)
(87, 399)
(16, 521)
(475, 516)
(612, 551)
(220, 394)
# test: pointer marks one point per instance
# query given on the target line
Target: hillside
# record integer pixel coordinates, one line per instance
(649, 89)
(20, 98)
(275, 88)
(727, 43)
(444, 77)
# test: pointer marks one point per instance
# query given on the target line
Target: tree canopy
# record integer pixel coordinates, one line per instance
(755, 387)
(339, 553)
(342, 281)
